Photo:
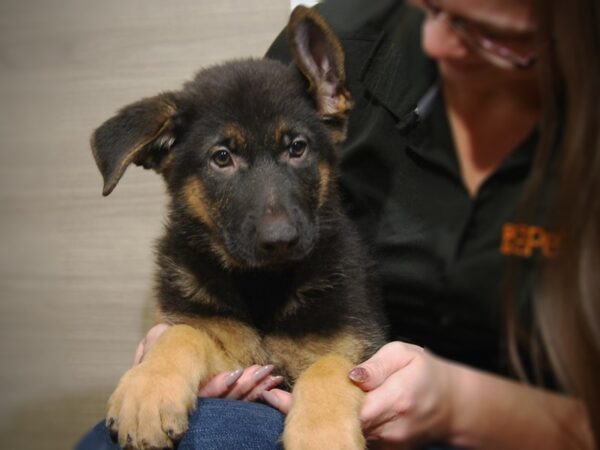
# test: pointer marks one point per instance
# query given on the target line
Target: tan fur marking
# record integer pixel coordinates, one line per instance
(280, 131)
(235, 132)
(325, 412)
(336, 106)
(344, 102)
(240, 342)
(324, 180)
(338, 136)
(226, 259)
(195, 198)
(294, 354)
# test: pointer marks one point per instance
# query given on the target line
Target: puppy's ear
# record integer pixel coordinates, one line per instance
(318, 54)
(141, 133)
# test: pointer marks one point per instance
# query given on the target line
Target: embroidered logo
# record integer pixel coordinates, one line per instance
(523, 240)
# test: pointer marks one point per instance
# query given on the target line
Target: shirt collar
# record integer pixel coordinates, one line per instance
(405, 81)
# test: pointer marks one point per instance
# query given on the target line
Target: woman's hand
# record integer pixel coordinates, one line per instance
(408, 396)
(414, 397)
(148, 342)
(241, 384)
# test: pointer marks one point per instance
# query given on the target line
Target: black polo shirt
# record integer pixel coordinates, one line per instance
(440, 253)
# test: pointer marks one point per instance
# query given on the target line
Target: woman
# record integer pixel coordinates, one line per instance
(438, 154)
(568, 306)
(413, 396)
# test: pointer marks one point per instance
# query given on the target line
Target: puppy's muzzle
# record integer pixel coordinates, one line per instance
(276, 235)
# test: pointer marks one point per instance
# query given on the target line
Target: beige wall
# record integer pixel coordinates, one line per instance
(75, 268)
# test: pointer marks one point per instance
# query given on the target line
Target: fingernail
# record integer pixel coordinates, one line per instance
(270, 398)
(273, 381)
(233, 377)
(358, 374)
(263, 372)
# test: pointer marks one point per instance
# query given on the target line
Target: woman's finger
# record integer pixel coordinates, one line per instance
(385, 403)
(278, 399)
(220, 384)
(388, 359)
(139, 353)
(148, 342)
(252, 377)
(267, 384)
(239, 384)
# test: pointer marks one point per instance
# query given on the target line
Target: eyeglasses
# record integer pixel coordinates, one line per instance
(505, 51)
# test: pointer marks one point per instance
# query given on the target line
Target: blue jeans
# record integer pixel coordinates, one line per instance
(218, 424)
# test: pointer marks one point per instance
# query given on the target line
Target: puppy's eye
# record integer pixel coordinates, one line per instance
(297, 148)
(222, 158)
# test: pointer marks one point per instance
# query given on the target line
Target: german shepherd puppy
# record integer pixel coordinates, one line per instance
(257, 264)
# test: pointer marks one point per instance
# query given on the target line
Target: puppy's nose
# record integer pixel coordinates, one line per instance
(276, 234)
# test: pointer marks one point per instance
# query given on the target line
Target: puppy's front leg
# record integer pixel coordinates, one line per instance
(150, 407)
(325, 412)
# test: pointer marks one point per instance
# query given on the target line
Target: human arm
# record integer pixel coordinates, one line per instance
(415, 397)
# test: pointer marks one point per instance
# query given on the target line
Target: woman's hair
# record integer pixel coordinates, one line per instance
(567, 301)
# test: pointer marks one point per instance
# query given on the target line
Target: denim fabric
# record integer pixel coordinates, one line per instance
(218, 424)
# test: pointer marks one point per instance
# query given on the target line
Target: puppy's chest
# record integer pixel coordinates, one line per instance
(263, 319)
(268, 301)
(265, 299)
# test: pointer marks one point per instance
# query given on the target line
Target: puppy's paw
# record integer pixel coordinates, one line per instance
(150, 408)
(326, 408)
(323, 433)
